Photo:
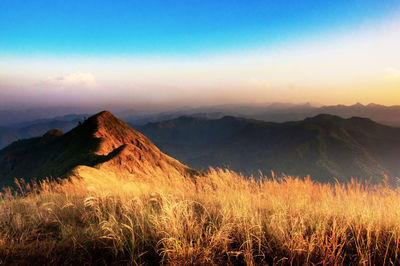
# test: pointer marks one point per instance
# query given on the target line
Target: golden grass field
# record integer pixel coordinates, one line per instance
(219, 218)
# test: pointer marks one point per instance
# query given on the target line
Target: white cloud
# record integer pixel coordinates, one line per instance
(77, 79)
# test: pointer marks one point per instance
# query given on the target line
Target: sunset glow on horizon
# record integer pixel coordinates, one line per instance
(199, 53)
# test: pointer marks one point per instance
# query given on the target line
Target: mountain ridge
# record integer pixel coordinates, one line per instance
(324, 146)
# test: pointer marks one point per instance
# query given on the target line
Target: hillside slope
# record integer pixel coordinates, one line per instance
(103, 142)
(324, 146)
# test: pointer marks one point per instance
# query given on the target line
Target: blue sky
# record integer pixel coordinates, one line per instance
(175, 53)
(173, 27)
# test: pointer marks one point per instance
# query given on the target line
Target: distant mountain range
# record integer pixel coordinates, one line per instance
(21, 117)
(324, 146)
(21, 124)
(272, 112)
(102, 145)
(34, 129)
(277, 112)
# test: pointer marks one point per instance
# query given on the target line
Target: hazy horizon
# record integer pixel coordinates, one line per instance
(154, 108)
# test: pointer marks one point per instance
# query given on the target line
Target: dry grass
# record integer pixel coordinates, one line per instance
(220, 218)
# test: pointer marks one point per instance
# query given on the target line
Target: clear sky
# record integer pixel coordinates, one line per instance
(138, 53)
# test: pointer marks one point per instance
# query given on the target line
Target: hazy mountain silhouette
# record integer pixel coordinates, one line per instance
(34, 129)
(275, 112)
(102, 143)
(324, 146)
(13, 117)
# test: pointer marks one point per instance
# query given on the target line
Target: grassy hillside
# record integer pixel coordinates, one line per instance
(220, 218)
(49, 156)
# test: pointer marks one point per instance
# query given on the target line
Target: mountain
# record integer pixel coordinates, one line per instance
(102, 144)
(274, 112)
(324, 146)
(34, 129)
(12, 117)
(143, 119)
(388, 115)
(63, 118)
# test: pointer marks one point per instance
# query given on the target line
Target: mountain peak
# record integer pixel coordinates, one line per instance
(102, 118)
(114, 133)
(54, 132)
(104, 115)
(357, 105)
